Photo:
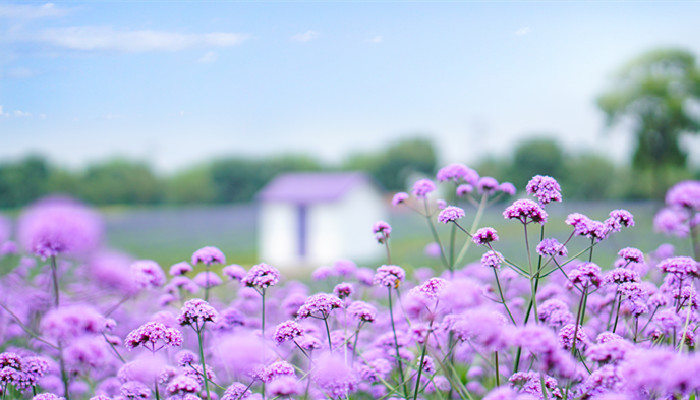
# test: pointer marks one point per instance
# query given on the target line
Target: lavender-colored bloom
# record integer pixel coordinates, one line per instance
(261, 276)
(609, 351)
(432, 250)
(682, 267)
(566, 337)
(344, 268)
(309, 342)
(48, 396)
(180, 268)
(182, 282)
(59, 225)
(147, 274)
(485, 236)
(464, 189)
(285, 386)
(457, 173)
(389, 276)
(422, 187)
(183, 384)
(551, 358)
(492, 259)
(362, 311)
(526, 211)
(399, 198)
(430, 288)
(276, 370)
(450, 214)
(555, 313)
(618, 219)
(487, 184)
(185, 358)
(507, 188)
(135, 390)
(236, 391)
(319, 305)
(672, 221)
(288, 330)
(208, 255)
(334, 377)
(234, 272)
(545, 188)
(207, 279)
(153, 336)
(584, 226)
(631, 254)
(482, 326)
(375, 370)
(71, 321)
(684, 194)
(196, 313)
(586, 275)
(621, 275)
(551, 246)
(441, 204)
(322, 273)
(343, 290)
(382, 231)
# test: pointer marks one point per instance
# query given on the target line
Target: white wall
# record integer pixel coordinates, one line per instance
(277, 232)
(360, 209)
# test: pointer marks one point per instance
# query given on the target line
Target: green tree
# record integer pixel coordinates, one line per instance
(191, 186)
(121, 182)
(536, 156)
(23, 181)
(657, 92)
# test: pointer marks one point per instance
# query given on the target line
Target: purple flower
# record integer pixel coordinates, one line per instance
(441, 204)
(422, 187)
(375, 370)
(48, 396)
(618, 219)
(548, 247)
(343, 290)
(71, 321)
(555, 313)
(288, 330)
(631, 254)
(566, 337)
(208, 255)
(485, 236)
(362, 312)
(236, 391)
(180, 268)
(492, 259)
(345, 268)
(450, 214)
(183, 384)
(334, 377)
(586, 275)
(133, 390)
(457, 173)
(207, 279)
(319, 305)
(59, 225)
(682, 267)
(147, 274)
(399, 198)
(464, 189)
(382, 231)
(261, 276)
(181, 282)
(545, 188)
(234, 272)
(185, 358)
(322, 273)
(584, 226)
(196, 313)
(672, 222)
(526, 211)
(430, 288)
(150, 334)
(487, 184)
(684, 194)
(507, 188)
(285, 386)
(389, 276)
(621, 275)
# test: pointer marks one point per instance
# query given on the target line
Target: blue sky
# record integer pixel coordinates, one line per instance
(180, 82)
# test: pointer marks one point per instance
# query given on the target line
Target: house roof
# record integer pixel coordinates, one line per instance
(312, 187)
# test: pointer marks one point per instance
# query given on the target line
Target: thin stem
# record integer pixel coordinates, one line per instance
(436, 237)
(26, 329)
(54, 278)
(200, 340)
(354, 345)
(64, 374)
(578, 318)
(498, 374)
(503, 298)
(328, 331)
(388, 251)
(475, 223)
(617, 314)
(396, 345)
(263, 312)
(420, 363)
(452, 249)
(206, 288)
(685, 328)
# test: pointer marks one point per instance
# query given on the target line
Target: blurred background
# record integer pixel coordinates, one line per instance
(171, 115)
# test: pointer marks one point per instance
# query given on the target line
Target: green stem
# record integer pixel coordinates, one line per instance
(206, 288)
(263, 312)
(433, 231)
(452, 249)
(498, 374)
(328, 331)
(420, 363)
(54, 277)
(503, 298)
(396, 345)
(617, 314)
(477, 220)
(200, 339)
(388, 251)
(578, 317)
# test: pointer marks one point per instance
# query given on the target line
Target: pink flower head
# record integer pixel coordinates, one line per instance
(234, 272)
(399, 198)
(180, 268)
(382, 231)
(685, 194)
(147, 274)
(362, 311)
(261, 276)
(485, 236)
(586, 275)
(492, 259)
(450, 214)
(551, 246)
(288, 330)
(545, 188)
(526, 211)
(153, 336)
(507, 188)
(343, 290)
(208, 255)
(389, 276)
(196, 313)
(430, 288)
(319, 305)
(487, 184)
(618, 219)
(457, 173)
(464, 189)
(422, 187)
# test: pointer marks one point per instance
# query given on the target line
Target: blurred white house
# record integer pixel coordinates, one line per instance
(311, 219)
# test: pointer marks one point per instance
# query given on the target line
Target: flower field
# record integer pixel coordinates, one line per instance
(491, 295)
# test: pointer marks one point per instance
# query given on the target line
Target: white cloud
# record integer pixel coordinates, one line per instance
(523, 31)
(2, 114)
(26, 11)
(306, 36)
(89, 38)
(208, 57)
(376, 39)
(21, 114)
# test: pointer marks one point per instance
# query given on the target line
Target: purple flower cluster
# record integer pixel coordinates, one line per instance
(457, 173)
(382, 231)
(545, 188)
(484, 236)
(450, 214)
(287, 331)
(319, 305)
(261, 276)
(196, 313)
(389, 276)
(423, 187)
(526, 211)
(208, 255)
(153, 336)
(551, 246)
(492, 259)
